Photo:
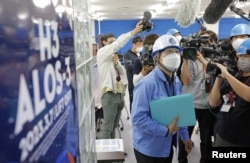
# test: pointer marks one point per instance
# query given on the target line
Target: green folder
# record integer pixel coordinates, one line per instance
(164, 110)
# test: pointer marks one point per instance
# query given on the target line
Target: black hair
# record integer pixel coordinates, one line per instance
(137, 39)
(105, 37)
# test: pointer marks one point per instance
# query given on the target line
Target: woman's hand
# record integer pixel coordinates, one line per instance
(223, 69)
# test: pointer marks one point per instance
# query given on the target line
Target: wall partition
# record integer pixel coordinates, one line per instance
(46, 99)
(84, 66)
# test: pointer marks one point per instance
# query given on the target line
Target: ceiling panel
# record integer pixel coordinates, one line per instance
(134, 9)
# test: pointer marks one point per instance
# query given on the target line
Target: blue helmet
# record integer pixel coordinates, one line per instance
(244, 47)
(163, 42)
(240, 29)
(172, 31)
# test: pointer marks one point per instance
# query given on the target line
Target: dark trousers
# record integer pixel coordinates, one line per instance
(141, 158)
(182, 154)
(130, 91)
(206, 124)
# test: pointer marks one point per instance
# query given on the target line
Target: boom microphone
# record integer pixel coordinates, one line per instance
(188, 12)
(203, 28)
(215, 10)
(239, 12)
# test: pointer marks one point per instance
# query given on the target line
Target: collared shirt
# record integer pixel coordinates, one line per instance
(149, 137)
(106, 69)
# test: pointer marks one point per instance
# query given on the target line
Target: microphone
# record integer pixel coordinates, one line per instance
(203, 28)
(188, 12)
(147, 15)
(215, 10)
(239, 12)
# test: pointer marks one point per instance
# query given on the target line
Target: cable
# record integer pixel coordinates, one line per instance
(205, 95)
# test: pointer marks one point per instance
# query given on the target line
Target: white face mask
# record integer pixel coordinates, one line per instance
(172, 62)
(236, 43)
(178, 38)
(244, 64)
(138, 50)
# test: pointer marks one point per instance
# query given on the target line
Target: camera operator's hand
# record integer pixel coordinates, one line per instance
(115, 59)
(223, 69)
(138, 28)
(172, 128)
(202, 59)
(146, 69)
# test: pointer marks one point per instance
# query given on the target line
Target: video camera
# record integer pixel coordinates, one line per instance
(147, 24)
(146, 58)
(191, 45)
(222, 53)
(225, 55)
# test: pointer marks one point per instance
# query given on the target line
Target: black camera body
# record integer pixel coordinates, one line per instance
(146, 21)
(223, 54)
(147, 59)
(212, 69)
(147, 25)
(209, 52)
(190, 47)
(190, 53)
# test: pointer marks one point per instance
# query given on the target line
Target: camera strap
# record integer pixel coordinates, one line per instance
(206, 79)
(169, 86)
(231, 95)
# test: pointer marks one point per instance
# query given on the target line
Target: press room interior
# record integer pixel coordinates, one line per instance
(46, 116)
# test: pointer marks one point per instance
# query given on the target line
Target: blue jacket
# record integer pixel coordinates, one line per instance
(149, 137)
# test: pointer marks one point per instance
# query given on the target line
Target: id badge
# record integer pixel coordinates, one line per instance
(225, 108)
(202, 85)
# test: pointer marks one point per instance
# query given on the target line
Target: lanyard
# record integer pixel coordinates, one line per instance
(118, 78)
(232, 95)
(169, 88)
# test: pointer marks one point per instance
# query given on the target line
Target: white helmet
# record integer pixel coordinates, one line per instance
(163, 42)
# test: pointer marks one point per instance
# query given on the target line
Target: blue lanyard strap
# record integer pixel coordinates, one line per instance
(169, 88)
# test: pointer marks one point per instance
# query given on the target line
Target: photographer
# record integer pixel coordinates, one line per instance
(112, 78)
(235, 112)
(194, 78)
(143, 65)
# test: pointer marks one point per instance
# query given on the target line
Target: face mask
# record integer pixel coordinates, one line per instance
(244, 64)
(172, 62)
(178, 38)
(138, 50)
(236, 43)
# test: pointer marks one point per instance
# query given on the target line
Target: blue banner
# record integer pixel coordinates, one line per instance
(38, 112)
